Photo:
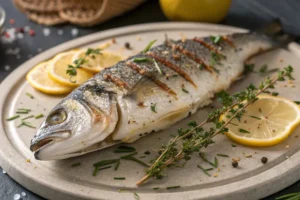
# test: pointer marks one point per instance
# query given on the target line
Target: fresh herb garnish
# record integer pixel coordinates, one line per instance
(297, 102)
(148, 47)
(28, 117)
(129, 155)
(102, 168)
(138, 60)
(243, 131)
(136, 196)
(124, 149)
(233, 145)
(157, 67)
(209, 169)
(263, 68)
(29, 95)
(215, 164)
(255, 117)
(216, 39)
(76, 164)
(135, 160)
(249, 68)
(291, 196)
(72, 69)
(105, 162)
(96, 170)
(200, 66)
(196, 136)
(119, 178)
(39, 116)
(12, 118)
(173, 187)
(117, 165)
(184, 90)
(23, 123)
(155, 188)
(153, 107)
(204, 170)
(222, 155)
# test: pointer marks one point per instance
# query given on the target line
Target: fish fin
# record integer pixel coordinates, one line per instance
(276, 31)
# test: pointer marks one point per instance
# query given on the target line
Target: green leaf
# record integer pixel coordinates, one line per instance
(153, 107)
(148, 46)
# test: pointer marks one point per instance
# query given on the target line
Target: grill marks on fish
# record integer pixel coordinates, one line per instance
(192, 56)
(116, 80)
(171, 65)
(208, 46)
(228, 41)
(160, 84)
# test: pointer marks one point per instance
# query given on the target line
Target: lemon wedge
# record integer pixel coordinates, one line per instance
(58, 66)
(38, 78)
(268, 121)
(97, 62)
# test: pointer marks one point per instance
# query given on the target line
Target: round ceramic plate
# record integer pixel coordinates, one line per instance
(58, 180)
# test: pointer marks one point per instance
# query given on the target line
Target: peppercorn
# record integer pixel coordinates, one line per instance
(127, 45)
(147, 152)
(235, 163)
(264, 160)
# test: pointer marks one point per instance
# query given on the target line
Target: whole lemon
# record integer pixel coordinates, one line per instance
(212, 11)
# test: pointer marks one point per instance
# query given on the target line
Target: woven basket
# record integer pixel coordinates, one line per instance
(80, 12)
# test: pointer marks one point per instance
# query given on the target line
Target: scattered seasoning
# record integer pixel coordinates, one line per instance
(155, 188)
(129, 155)
(17, 197)
(184, 90)
(157, 67)
(60, 32)
(26, 124)
(233, 124)
(202, 155)
(31, 32)
(46, 32)
(209, 169)
(39, 116)
(74, 32)
(233, 145)
(119, 178)
(76, 164)
(275, 94)
(136, 196)
(235, 163)
(248, 156)
(7, 67)
(135, 160)
(124, 149)
(260, 110)
(297, 102)
(29, 95)
(147, 152)
(137, 60)
(291, 196)
(215, 175)
(96, 170)
(149, 46)
(204, 170)
(287, 146)
(173, 187)
(255, 117)
(28, 160)
(222, 155)
(263, 68)
(216, 39)
(102, 168)
(264, 160)
(23, 194)
(105, 162)
(12, 118)
(243, 131)
(200, 66)
(153, 108)
(127, 45)
(117, 165)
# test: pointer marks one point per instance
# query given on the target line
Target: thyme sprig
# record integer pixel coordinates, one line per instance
(72, 69)
(195, 136)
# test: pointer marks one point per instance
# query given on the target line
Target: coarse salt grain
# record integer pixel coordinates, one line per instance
(23, 194)
(74, 32)
(7, 67)
(20, 35)
(46, 31)
(4, 172)
(26, 28)
(60, 32)
(17, 197)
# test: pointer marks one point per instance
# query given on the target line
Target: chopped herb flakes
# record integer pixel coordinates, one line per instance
(138, 60)
(157, 67)
(249, 68)
(243, 131)
(124, 149)
(216, 39)
(28, 117)
(39, 116)
(222, 155)
(173, 187)
(117, 165)
(30, 95)
(105, 162)
(119, 178)
(153, 107)
(233, 145)
(136, 196)
(12, 118)
(255, 117)
(184, 90)
(204, 170)
(76, 164)
(148, 47)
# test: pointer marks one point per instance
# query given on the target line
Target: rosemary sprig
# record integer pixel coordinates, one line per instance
(148, 47)
(195, 136)
(291, 196)
(72, 69)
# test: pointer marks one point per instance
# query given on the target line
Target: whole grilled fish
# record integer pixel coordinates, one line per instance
(145, 93)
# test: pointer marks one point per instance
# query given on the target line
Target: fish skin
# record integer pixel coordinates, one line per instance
(116, 105)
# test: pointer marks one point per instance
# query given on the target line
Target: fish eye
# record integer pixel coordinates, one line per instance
(57, 117)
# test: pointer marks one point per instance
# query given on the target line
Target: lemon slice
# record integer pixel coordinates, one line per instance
(58, 66)
(97, 62)
(39, 79)
(266, 122)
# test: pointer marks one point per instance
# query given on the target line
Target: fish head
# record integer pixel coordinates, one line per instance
(73, 127)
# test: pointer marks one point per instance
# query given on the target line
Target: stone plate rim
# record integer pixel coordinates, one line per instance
(11, 161)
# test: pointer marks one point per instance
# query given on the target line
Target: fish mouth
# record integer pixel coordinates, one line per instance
(38, 144)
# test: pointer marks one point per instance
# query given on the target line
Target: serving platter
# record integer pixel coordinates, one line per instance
(58, 180)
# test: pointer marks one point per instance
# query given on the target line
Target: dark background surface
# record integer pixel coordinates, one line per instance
(248, 14)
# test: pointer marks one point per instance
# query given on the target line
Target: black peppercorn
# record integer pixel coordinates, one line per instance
(127, 45)
(235, 163)
(264, 160)
(147, 152)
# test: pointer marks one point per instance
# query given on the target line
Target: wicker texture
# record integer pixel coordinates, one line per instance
(80, 12)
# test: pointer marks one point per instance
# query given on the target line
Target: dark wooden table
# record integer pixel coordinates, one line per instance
(243, 13)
